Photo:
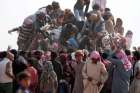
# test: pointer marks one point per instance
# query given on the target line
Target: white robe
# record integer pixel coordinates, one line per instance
(98, 73)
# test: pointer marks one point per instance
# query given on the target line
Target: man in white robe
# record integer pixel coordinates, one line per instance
(94, 74)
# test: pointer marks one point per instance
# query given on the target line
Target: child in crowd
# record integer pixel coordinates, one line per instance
(24, 83)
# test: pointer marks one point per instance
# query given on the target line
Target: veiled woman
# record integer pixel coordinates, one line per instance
(48, 80)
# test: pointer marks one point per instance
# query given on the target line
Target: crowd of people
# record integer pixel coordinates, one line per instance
(60, 51)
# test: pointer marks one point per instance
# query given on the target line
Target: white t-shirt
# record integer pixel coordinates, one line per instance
(3, 77)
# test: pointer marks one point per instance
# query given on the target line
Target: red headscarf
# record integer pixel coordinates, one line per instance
(123, 57)
(95, 55)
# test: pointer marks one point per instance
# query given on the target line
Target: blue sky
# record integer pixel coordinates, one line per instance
(13, 13)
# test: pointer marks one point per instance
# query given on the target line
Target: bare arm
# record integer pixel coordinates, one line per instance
(9, 70)
(104, 74)
(84, 72)
(14, 30)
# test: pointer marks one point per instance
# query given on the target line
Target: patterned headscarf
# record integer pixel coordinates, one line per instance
(123, 57)
(95, 55)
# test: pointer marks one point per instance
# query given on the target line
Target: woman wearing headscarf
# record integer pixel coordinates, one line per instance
(94, 74)
(48, 79)
(122, 72)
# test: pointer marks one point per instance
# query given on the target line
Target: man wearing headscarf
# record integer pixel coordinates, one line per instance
(122, 72)
(78, 84)
(94, 74)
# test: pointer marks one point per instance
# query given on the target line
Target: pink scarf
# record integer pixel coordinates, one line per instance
(95, 55)
(126, 63)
